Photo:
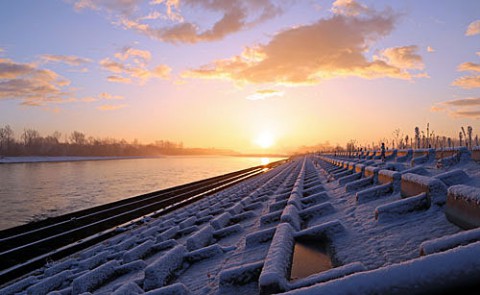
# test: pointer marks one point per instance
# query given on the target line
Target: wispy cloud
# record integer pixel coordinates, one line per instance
(124, 6)
(132, 65)
(31, 85)
(111, 107)
(332, 47)
(430, 49)
(469, 67)
(349, 7)
(108, 96)
(469, 81)
(68, 59)
(404, 57)
(118, 79)
(460, 108)
(234, 16)
(264, 94)
(473, 28)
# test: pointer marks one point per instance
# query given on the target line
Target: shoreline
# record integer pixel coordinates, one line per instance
(59, 159)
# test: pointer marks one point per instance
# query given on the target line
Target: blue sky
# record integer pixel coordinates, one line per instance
(222, 73)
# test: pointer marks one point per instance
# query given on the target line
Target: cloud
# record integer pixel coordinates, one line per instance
(126, 7)
(329, 48)
(118, 79)
(460, 108)
(467, 82)
(265, 93)
(110, 107)
(132, 65)
(68, 59)
(473, 28)
(108, 96)
(227, 17)
(469, 66)
(403, 57)
(470, 101)
(349, 7)
(468, 114)
(430, 49)
(31, 85)
(128, 52)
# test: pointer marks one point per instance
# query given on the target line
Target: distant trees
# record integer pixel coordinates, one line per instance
(32, 143)
(6, 139)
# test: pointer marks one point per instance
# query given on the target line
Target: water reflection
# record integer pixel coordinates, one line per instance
(38, 190)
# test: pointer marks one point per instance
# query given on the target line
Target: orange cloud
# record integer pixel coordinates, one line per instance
(108, 96)
(144, 55)
(109, 107)
(469, 66)
(118, 79)
(123, 6)
(349, 7)
(307, 54)
(430, 49)
(132, 64)
(68, 59)
(467, 82)
(403, 57)
(460, 108)
(473, 28)
(30, 84)
(265, 93)
(234, 16)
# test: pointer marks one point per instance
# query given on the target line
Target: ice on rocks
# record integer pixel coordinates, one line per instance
(50, 283)
(449, 242)
(174, 289)
(401, 207)
(160, 271)
(94, 278)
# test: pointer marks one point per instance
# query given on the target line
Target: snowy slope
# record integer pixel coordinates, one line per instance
(242, 240)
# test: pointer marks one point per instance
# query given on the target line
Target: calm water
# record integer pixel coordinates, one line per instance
(39, 190)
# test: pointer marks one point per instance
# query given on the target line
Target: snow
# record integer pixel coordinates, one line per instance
(276, 270)
(158, 273)
(398, 208)
(450, 242)
(436, 190)
(432, 274)
(241, 240)
(94, 278)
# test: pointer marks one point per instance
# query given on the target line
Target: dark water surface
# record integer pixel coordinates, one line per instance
(32, 191)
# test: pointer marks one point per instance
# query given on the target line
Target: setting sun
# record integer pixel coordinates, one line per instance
(265, 140)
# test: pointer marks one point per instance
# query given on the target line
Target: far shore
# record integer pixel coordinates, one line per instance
(43, 159)
(47, 159)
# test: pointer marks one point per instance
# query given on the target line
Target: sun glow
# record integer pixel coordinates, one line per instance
(265, 140)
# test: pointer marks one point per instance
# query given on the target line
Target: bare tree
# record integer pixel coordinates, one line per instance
(417, 137)
(6, 139)
(78, 138)
(470, 131)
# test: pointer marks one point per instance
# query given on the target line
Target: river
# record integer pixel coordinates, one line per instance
(33, 191)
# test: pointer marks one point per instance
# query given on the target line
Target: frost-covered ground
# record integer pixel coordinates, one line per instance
(241, 240)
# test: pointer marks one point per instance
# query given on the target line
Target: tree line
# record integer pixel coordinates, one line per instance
(31, 143)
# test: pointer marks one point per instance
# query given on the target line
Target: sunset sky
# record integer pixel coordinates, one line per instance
(243, 75)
